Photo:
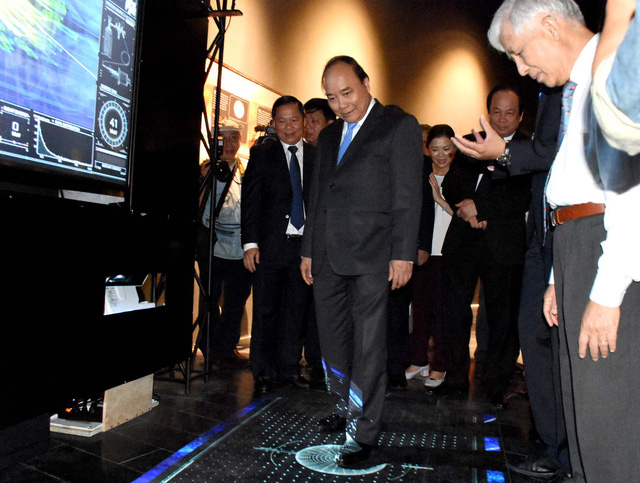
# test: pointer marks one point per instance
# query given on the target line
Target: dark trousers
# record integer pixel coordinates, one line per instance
(352, 322)
(280, 297)
(235, 279)
(501, 284)
(398, 330)
(312, 353)
(600, 398)
(428, 313)
(540, 345)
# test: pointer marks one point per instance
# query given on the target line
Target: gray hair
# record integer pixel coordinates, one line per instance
(522, 13)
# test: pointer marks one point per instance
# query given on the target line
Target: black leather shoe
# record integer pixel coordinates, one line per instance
(262, 385)
(397, 380)
(358, 459)
(332, 424)
(297, 381)
(545, 466)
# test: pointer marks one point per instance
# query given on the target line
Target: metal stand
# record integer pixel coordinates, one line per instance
(208, 189)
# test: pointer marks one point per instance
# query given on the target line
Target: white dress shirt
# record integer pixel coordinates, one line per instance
(573, 182)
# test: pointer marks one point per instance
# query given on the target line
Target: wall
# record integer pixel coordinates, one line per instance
(430, 57)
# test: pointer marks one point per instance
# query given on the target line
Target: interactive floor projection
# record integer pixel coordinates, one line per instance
(277, 440)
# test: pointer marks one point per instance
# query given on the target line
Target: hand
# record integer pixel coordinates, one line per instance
(490, 147)
(204, 168)
(399, 273)
(466, 209)
(599, 330)
(251, 259)
(305, 268)
(480, 225)
(435, 189)
(550, 306)
(617, 18)
(423, 256)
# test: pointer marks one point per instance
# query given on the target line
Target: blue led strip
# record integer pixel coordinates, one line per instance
(200, 441)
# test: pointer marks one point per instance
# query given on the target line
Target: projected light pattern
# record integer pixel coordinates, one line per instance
(495, 477)
(277, 440)
(323, 459)
(491, 444)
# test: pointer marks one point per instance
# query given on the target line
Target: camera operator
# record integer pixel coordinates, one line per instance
(227, 268)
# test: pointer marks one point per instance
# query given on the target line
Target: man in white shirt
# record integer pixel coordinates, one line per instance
(595, 251)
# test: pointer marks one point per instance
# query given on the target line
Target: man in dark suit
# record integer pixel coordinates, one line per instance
(538, 341)
(275, 193)
(486, 239)
(361, 234)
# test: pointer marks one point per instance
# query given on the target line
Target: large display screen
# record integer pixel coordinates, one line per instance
(66, 86)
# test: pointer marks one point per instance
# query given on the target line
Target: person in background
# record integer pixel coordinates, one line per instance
(318, 115)
(429, 287)
(226, 268)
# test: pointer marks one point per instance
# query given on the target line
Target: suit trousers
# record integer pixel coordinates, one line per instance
(312, 354)
(501, 283)
(280, 296)
(428, 313)
(540, 346)
(352, 323)
(398, 330)
(600, 398)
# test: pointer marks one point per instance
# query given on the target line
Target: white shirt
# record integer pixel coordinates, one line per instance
(291, 230)
(572, 182)
(440, 224)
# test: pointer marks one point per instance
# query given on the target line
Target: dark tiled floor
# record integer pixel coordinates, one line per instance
(426, 438)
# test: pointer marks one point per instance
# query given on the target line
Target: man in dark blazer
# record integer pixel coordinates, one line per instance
(538, 341)
(361, 234)
(275, 194)
(486, 239)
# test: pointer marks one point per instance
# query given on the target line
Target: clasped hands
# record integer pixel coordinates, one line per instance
(468, 212)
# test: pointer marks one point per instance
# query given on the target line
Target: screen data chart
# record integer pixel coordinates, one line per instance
(66, 85)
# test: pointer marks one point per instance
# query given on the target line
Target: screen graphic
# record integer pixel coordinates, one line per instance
(66, 85)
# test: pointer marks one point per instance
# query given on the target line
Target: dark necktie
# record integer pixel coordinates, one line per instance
(347, 140)
(567, 99)
(297, 203)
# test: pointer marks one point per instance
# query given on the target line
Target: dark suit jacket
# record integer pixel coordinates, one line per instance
(267, 195)
(501, 200)
(534, 156)
(428, 216)
(365, 211)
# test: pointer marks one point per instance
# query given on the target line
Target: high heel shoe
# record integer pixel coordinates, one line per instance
(434, 382)
(421, 371)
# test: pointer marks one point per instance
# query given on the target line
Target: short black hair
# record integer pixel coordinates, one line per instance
(322, 105)
(503, 86)
(281, 101)
(345, 59)
(440, 131)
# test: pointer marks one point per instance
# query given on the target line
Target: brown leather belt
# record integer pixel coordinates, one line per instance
(562, 215)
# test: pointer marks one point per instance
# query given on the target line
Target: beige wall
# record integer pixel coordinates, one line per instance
(427, 56)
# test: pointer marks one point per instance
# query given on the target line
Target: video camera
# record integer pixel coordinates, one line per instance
(269, 134)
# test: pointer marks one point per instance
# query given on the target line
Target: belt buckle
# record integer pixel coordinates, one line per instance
(554, 220)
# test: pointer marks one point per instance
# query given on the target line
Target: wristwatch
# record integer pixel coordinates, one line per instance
(505, 158)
